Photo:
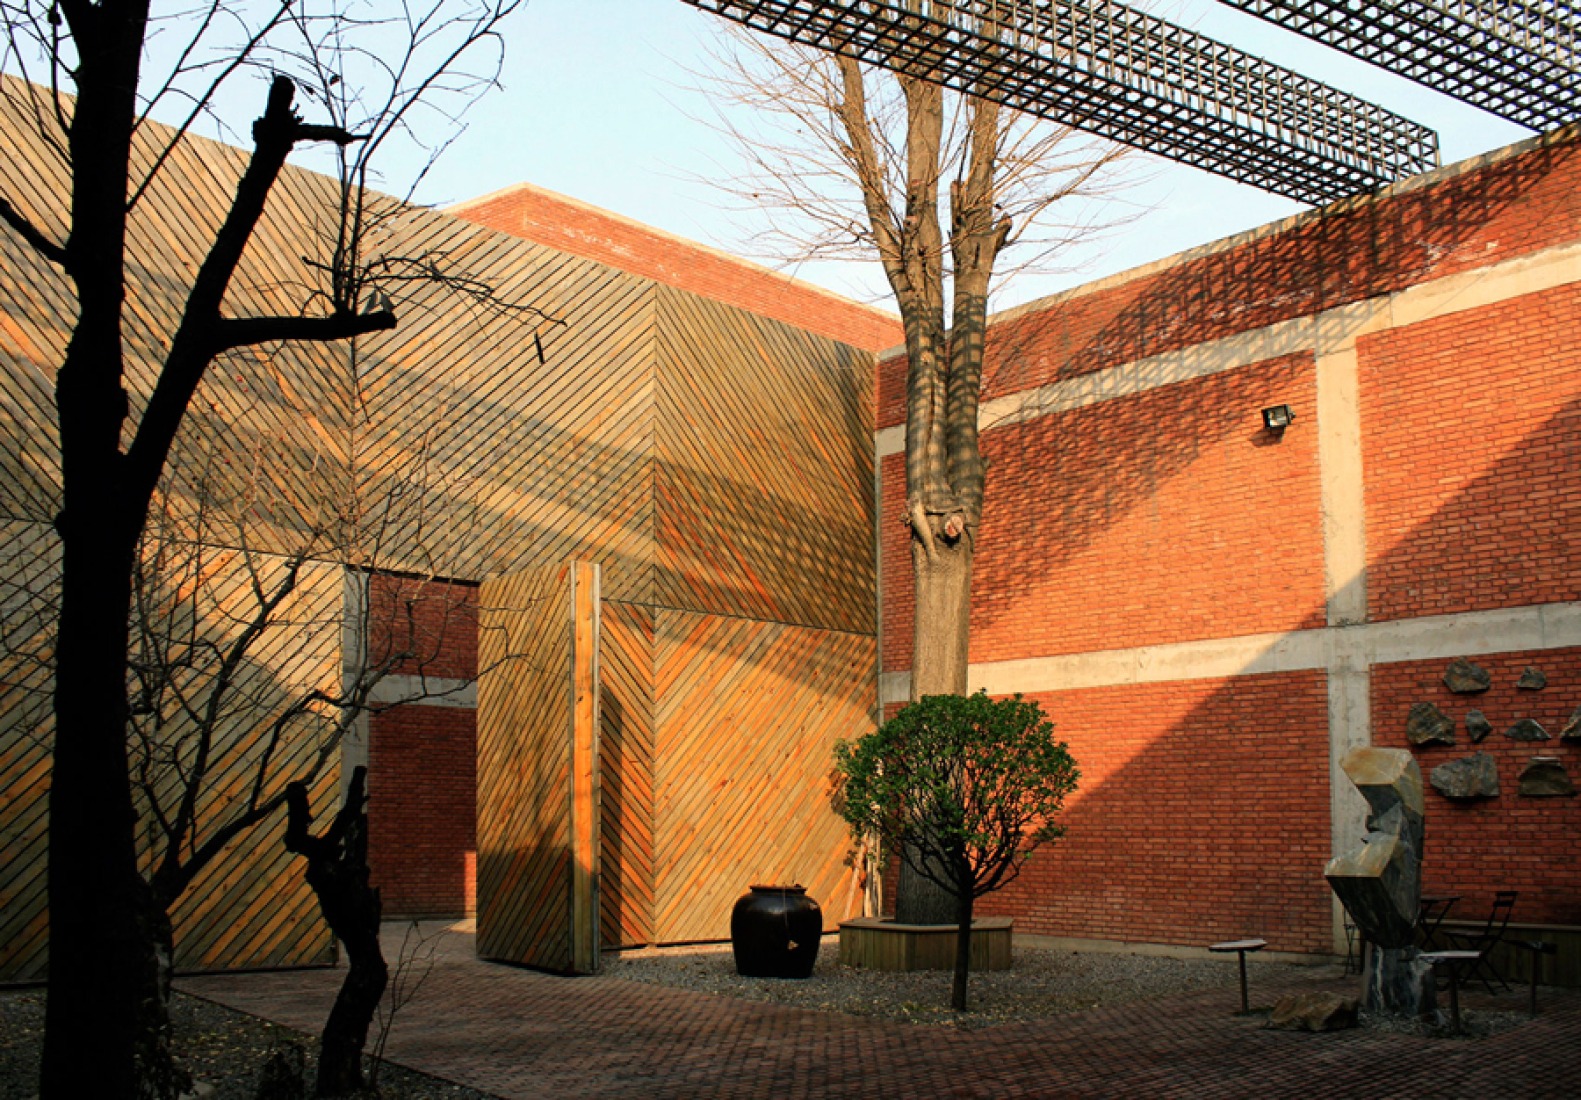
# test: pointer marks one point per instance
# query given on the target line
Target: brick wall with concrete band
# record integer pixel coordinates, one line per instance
(1145, 540)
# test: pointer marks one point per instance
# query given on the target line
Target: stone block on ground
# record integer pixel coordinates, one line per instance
(1318, 1011)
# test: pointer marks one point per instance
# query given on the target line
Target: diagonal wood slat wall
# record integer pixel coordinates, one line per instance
(626, 649)
(748, 715)
(521, 460)
(252, 905)
(253, 902)
(764, 489)
(28, 597)
(713, 463)
(524, 768)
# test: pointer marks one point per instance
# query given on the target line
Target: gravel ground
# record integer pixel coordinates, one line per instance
(1042, 983)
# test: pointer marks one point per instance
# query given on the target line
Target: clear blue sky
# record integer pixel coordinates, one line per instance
(598, 103)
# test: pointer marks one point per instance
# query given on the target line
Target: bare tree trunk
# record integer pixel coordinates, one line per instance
(963, 948)
(104, 992)
(337, 869)
(942, 584)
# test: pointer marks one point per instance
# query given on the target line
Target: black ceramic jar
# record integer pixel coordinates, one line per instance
(774, 932)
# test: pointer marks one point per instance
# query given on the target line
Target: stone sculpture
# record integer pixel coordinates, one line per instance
(1572, 728)
(1532, 679)
(1380, 883)
(1527, 729)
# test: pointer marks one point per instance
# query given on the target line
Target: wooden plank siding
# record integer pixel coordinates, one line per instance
(716, 466)
(748, 714)
(524, 768)
(252, 902)
(517, 461)
(28, 597)
(626, 652)
(764, 483)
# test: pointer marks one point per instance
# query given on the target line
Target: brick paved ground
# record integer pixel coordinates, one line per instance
(517, 1033)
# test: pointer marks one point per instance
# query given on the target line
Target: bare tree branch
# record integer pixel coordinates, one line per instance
(30, 233)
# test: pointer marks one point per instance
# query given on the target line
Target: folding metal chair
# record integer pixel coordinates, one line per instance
(1485, 941)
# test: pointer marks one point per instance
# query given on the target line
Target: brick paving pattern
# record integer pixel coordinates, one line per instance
(518, 1033)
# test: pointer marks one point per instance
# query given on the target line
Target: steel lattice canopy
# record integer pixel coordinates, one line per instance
(1124, 75)
(1514, 58)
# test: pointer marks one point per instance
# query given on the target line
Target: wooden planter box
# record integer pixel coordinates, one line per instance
(878, 944)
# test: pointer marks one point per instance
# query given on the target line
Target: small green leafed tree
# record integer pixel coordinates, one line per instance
(965, 788)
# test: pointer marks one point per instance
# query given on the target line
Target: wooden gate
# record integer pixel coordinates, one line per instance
(538, 797)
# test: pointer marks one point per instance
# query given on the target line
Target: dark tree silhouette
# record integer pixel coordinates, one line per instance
(106, 1022)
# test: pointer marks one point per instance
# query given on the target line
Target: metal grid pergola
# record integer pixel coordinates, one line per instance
(1120, 73)
(1515, 58)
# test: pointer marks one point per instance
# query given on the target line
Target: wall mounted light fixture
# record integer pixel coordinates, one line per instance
(1276, 418)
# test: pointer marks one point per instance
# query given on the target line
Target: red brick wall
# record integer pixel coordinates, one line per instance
(583, 230)
(422, 759)
(422, 810)
(1472, 451)
(430, 626)
(1202, 815)
(1329, 258)
(1507, 843)
(1163, 517)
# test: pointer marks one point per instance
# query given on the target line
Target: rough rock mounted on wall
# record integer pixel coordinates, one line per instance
(1478, 726)
(1427, 725)
(1470, 777)
(1313, 1012)
(1545, 777)
(1572, 730)
(1531, 680)
(1464, 678)
(1527, 729)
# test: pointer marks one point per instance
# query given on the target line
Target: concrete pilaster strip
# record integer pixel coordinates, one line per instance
(430, 691)
(1433, 637)
(1349, 726)
(1341, 485)
(354, 619)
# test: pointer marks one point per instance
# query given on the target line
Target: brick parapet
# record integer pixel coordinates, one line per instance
(564, 223)
(1481, 212)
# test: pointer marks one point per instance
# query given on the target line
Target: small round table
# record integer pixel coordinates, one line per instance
(1240, 947)
(1454, 960)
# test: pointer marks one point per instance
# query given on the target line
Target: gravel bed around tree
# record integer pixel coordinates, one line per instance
(224, 1051)
(1042, 983)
